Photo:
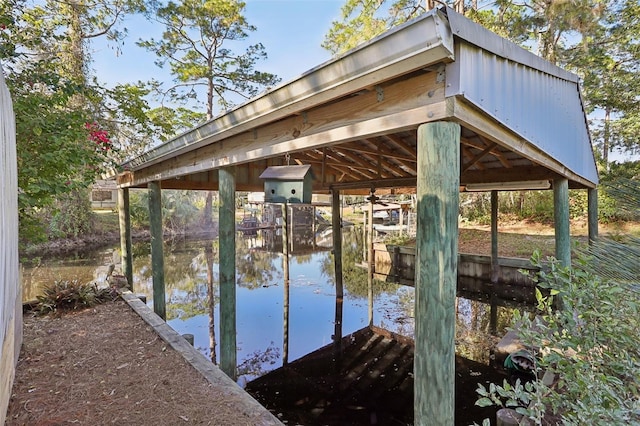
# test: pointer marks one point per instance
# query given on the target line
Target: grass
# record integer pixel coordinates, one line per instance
(106, 221)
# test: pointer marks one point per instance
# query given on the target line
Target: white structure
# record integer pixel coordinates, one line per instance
(10, 286)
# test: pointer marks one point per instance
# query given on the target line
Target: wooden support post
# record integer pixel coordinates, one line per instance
(396, 263)
(370, 259)
(436, 273)
(157, 249)
(189, 338)
(365, 249)
(285, 272)
(561, 220)
(227, 236)
(124, 217)
(336, 226)
(495, 269)
(314, 227)
(592, 213)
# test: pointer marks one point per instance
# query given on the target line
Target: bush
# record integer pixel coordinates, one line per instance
(70, 216)
(65, 295)
(590, 345)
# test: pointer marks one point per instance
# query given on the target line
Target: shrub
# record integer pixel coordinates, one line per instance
(590, 345)
(65, 295)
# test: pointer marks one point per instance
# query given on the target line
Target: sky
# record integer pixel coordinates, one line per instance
(290, 30)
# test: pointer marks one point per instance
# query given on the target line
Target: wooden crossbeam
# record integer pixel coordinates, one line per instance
(479, 156)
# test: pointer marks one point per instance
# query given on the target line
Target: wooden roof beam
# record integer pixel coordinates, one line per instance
(386, 152)
(479, 156)
(498, 155)
(399, 143)
(495, 152)
(510, 175)
(336, 166)
(467, 153)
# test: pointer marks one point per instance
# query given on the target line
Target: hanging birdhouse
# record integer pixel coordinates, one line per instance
(290, 184)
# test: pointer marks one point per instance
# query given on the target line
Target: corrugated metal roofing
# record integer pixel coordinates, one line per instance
(354, 118)
(534, 98)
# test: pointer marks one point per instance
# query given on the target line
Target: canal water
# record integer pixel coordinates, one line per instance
(269, 333)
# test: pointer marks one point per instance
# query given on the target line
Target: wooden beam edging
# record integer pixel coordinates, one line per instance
(249, 406)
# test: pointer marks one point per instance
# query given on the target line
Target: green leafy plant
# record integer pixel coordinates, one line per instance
(65, 295)
(589, 345)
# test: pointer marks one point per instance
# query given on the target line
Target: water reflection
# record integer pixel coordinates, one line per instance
(278, 323)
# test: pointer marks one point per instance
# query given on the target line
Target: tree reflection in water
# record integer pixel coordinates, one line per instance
(191, 276)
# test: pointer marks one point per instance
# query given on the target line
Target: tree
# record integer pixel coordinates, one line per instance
(67, 126)
(597, 39)
(364, 19)
(608, 60)
(195, 45)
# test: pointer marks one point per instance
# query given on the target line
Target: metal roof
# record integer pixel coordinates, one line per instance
(353, 119)
(534, 98)
(286, 172)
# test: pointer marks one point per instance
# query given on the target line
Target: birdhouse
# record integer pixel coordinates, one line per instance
(290, 184)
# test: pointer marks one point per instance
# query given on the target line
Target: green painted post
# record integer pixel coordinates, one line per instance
(370, 258)
(124, 217)
(561, 220)
(285, 272)
(592, 208)
(157, 249)
(436, 273)
(336, 225)
(227, 236)
(494, 237)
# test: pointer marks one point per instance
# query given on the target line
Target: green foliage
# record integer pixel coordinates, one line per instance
(56, 155)
(71, 215)
(179, 209)
(195, 44)
(360, 22)
(67, 129)
(615, 256)
(618, 195)
(65, 295)
(590, 345)
(534, 205)
(139, 208)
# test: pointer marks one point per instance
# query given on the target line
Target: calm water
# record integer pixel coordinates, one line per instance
(261, 297)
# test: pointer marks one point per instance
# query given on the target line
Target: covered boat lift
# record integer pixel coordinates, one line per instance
(434, 106)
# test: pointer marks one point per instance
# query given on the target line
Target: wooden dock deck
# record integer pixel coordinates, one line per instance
(370, 382)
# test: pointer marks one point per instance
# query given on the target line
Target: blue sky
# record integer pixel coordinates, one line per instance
(290, 30)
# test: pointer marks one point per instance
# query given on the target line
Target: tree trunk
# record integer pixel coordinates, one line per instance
(606, 137)
(207, 215)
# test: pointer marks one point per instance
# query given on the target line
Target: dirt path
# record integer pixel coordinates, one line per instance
(105, 365)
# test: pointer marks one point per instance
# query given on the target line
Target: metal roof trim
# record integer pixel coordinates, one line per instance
(427, 36)
(479, 36)
(294, 172)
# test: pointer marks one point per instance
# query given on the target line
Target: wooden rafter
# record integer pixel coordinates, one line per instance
(498, 155)
(335, 166)
(383, 150)
(479, 156)
(468, 154)
(481, 146)
(399, 143)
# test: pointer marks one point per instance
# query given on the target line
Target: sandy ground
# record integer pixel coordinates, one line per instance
(105, 365)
